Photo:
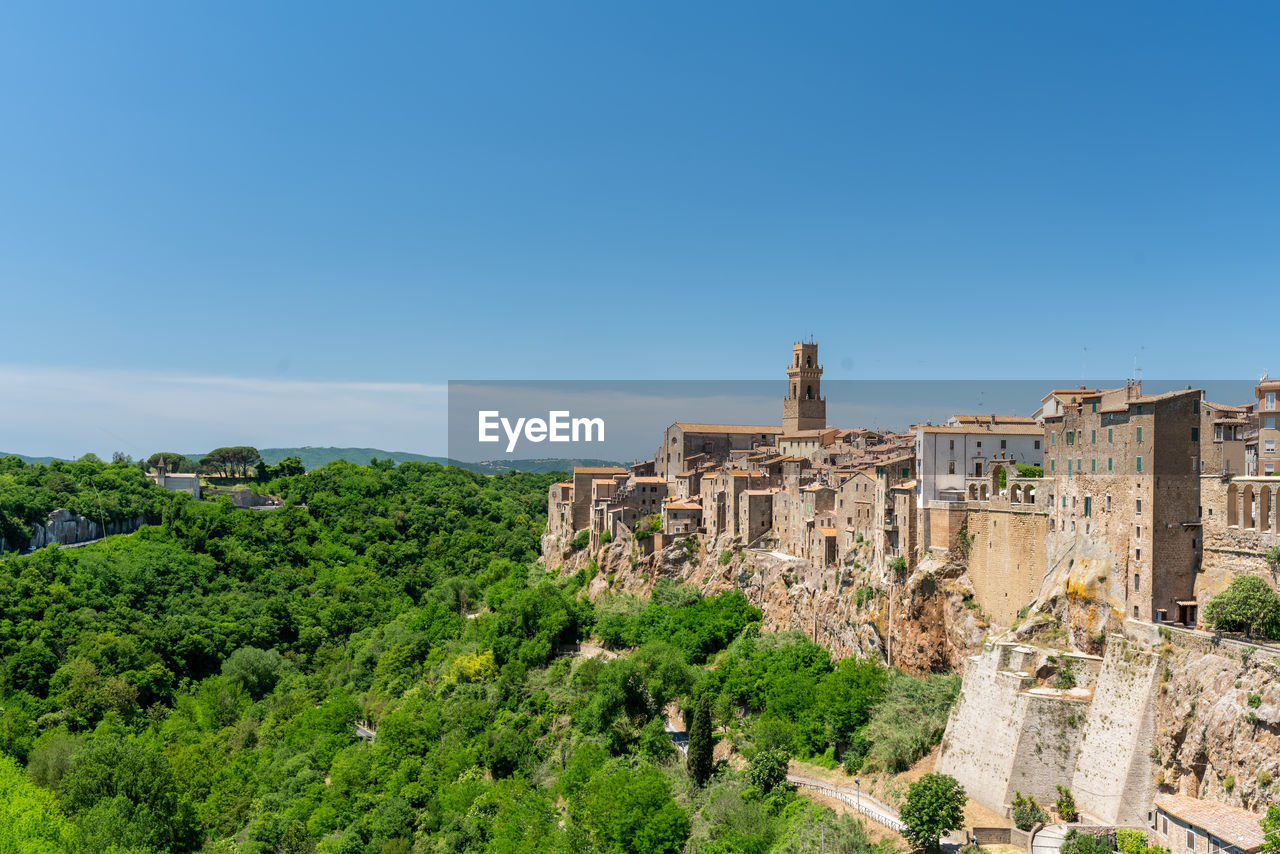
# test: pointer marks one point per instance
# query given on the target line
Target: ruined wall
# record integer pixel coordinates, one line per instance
(1230, 550)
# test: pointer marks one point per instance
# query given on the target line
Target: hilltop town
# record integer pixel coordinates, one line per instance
(1062, 560)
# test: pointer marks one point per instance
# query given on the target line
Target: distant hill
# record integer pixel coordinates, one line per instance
(313, 457)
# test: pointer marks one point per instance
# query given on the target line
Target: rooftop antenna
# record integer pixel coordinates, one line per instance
(1137, 369)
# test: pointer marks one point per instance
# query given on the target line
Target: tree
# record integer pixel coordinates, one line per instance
(255, 670)
(30, 818)
(933, 808)
(768, 769)
(234, 461)
(173, 461)
(1271, 830)
(629, 811)
(1249, 605)
(700, 742)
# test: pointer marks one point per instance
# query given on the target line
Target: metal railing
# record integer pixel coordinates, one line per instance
(862, 803)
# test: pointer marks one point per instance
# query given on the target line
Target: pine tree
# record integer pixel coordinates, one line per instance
(700, 744)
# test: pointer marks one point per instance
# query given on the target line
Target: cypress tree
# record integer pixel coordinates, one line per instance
(700, 744)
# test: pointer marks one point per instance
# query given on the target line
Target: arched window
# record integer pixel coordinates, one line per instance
(808, 361)
(808, 392)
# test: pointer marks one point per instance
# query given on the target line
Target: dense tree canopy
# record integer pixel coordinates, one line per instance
(197, 683)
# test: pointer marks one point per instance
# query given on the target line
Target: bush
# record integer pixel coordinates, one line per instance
(768, 769)
(580, 540)
(255, 670)
(1065, 805)
(725, 557)
(606, 538)
(1030, 471)
(1026, 813)
(1085, 843)
(909, 721)
(1129, 841)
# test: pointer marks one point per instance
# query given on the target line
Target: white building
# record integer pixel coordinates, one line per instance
(948, 454)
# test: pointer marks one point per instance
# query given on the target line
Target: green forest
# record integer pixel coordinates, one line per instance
(197, 685)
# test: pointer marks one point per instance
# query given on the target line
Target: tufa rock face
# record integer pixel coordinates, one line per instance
(1218, 723)
(845, 609)
(66, 528)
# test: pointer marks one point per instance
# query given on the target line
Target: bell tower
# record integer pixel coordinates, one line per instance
(804, 407)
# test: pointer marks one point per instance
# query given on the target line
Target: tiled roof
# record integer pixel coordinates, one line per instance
(988, 430)
(684, 504)
(577, 470)
(827, 532)
(650, 480)
(1230, 824)
(999, 419)
(727, 428)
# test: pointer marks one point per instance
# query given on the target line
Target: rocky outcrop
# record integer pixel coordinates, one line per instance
(68, 529)
(1218, 720)
(920, 622)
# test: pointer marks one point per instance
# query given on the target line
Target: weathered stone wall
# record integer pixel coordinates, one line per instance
(1006, 557)
(1113, 781)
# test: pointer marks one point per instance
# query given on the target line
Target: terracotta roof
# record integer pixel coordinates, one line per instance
(684, 504)
(567, 483)
(1079, 392)
(742, 473)
(827, 532)
(906, 484)
(1224, 407)
(999, 419)
(760, 491)
(650, 479)
(689, 473)
(577, 470)
(979, 430)
(1230, 824)
(726, 428)
(808, 434)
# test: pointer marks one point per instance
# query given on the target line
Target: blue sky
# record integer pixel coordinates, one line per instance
(312, 193)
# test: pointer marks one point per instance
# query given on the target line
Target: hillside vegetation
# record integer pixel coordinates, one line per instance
(197, 685)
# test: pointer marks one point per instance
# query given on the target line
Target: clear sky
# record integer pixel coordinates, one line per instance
(313, 193)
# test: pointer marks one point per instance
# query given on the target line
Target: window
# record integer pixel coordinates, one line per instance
(1093, 464)
(1108, 463)
(1135, 612)
(1164, 819)
(1137, 555)
(1139, 412)
(1139, 434)
(1003, 444)
(1268, 468)
(1108, 503)
(951, 467)
(1108, 434)
(1037, 444)
(1053, 437)
(953, 444)
(1137, 531)
(1137, 507)
(1064, 502)
(1270, 422)
(1139, 461)
(1270, 400)
(1088, 506)
(1191, 839)
(1095, 406)
(1094, 435)
(979, 444)
(1195, 434)
(1137, 581)
(1195, 407)
(1217, 432)
(1269, 446)
(1071, 437)
(1053, 465)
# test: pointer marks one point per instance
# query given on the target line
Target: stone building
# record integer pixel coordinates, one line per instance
(1223, 432)
(188, 483)
(1122, 471)
(804, 407)
(582, 492)
(1185, 824)
(683, 441)
(1265, 444)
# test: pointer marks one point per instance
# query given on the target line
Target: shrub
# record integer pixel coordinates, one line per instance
(725, 557)
(1228, 782)
(1129, 841)
(580, 540)
(768, 769)
(1026, 813)
(1254, 701)
(1085, 843)
(606, 538)
(1264, 778)
(1065, 805)
(1066, 677)
(1030, 471)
